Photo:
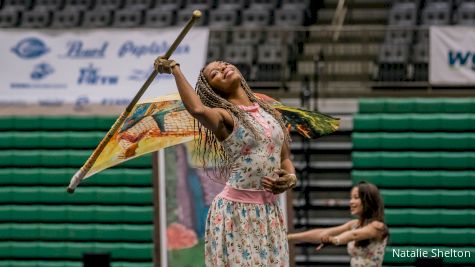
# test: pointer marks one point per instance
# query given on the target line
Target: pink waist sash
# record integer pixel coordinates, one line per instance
(247, 195)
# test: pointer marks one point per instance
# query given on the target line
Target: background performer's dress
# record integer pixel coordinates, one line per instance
(248, 234)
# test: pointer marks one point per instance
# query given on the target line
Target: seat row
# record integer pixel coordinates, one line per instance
(61, 176)
(416, 105)
(80, 214)
(63, 263)
(87, 195)
(413, 141)
(48, 139)
(75, 232)
(433, 236)
(406, 217)
(74, 250)
(164, 4)
(414, 160)
(416, 179)
(143, 196)
(428, 198)
(64, 123)
(144, 13)
(414, 122)
(404, 56)
(58, 158)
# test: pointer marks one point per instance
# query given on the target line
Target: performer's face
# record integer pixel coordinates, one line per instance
(356, 208)
(222, 76)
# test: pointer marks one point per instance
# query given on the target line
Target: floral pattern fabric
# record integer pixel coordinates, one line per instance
(369, 256)
(245, 234)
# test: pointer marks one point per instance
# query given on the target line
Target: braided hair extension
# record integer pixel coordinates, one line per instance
(207, 144)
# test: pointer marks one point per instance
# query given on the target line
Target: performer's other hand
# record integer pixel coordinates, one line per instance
(163, 65)
(281, 184)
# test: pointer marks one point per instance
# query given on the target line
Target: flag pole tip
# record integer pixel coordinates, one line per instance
(197, 13)
(70, 190)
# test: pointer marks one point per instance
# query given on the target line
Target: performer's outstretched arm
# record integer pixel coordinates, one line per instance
(315, 235)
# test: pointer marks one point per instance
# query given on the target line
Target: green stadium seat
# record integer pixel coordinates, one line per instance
(368, 105)
(114, 176)
(6, 122)
(6, 158)
(82, 232)
(55, 176)
(431, 236)
(52, 232)
(6, 139)
(62, 176)
(424, 122)
(362, 141)
(428, 198)
(85, 139)
(429, 217)
(428, 105)
(131, 264)
(416, 105)
(398, 105)
(455, 122)
(366, 122)
(54, 140)
(414, 160)
(54, 122)
(413, 141)
(394, 122)
(26, 123)
(458, 105)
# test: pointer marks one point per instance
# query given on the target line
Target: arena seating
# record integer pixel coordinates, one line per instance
(421, 154)
(41, 224)
(404, 53)
(220, 15)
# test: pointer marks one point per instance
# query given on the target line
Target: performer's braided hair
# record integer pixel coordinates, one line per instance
(207, 143)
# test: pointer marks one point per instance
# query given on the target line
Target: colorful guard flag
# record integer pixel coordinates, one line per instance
(161, 122)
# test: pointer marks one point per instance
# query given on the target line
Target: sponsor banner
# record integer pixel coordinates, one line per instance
(452, 56)
(107, 67)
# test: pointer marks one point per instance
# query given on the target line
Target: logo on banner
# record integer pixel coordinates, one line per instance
(139, 75)
(139, 50)
(91, 75)
(76, 49)
(462, 58)
(41, 70)
(30, 48)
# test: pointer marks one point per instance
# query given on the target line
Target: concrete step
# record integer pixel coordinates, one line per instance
(350, 34)
(320, 222)
(355, 16)
(322, 203)
(327, 165)
(357, 69)
(337, 51)
(360, 3)
(300, 147)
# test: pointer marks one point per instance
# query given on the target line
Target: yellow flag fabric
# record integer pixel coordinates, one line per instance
(162, 122)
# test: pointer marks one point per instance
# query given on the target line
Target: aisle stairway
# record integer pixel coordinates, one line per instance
(348, 62)
(321, 198)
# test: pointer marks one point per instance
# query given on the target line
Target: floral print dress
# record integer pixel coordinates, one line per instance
(369, 256)
(247, 234)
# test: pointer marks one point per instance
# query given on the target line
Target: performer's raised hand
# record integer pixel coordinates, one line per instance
(163, 65)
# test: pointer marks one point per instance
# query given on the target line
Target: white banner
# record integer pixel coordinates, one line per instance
(452, 56)
(106, 67)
